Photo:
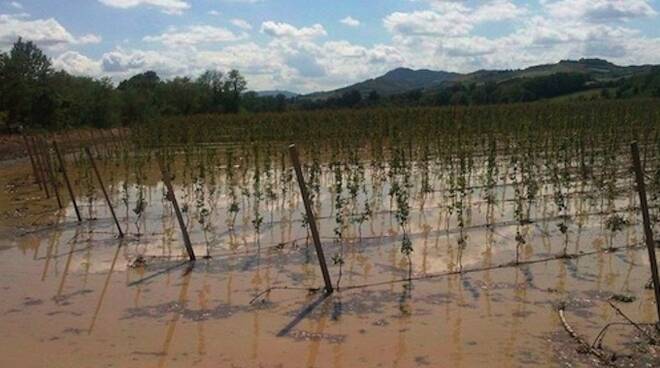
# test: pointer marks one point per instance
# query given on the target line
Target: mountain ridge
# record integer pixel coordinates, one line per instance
(402, 79)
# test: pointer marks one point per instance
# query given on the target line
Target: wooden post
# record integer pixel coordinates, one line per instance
(310, 217)
(167, 179)
(51, 172)
(648, 233)
(34, 165)
(40, 167)
(66, 180)
(105, 194)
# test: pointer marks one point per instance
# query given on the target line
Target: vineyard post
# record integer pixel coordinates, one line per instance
(40, 167)
(66, 180)
(310, 217)
(51, 172)
(105, 194)
(34, 165)
(648, 233)
(167, 179)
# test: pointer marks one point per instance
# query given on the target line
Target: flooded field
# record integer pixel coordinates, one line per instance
(433, 264)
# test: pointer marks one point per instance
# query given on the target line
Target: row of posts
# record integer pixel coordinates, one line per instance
(45, 176)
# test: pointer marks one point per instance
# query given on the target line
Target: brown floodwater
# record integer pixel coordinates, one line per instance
(73, 294)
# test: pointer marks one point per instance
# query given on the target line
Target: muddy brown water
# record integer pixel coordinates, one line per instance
(71, 298)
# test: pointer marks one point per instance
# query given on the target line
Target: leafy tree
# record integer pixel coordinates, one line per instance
(139, 97)
(24, 76)
(211, 83)
(234, 87)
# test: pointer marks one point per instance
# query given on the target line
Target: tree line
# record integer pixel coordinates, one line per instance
(34, 94)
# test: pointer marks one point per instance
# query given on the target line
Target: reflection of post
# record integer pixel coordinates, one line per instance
(170, 195)
(183, 298)
(66, 180)
(648, 233)
(105, 194)
(66, 268)
(105, 288)
(310, 217)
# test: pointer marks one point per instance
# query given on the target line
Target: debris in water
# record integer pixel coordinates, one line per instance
(623, 298)
(139, 262)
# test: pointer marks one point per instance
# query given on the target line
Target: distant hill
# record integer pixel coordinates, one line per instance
(402, 80)
(394, 82)
(273, 93)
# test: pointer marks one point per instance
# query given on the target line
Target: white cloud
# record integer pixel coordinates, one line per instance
(77, 64)
(16, 5)
(47, 33)
(451, 18)
(214, 13)
(600, 10)
(242, 24)
(166, 6)
(285, 30)
(90, 39)
(350, 21)
(195, 35)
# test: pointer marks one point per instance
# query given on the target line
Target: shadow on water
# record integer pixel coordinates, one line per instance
(302, 315)
(191, 266)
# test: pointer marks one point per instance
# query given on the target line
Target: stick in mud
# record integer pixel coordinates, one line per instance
(37, 179)
(51, 173)
(648, 233)
(105, 194)
(66, 180)
(167, 179)
(293, 151)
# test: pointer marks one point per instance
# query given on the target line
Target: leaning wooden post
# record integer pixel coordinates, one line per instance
(310, 217)
(34, 165)
(51, 172)
(66, 180)
(40, 167)
(105, 194)
(648, 233)
(167, 179)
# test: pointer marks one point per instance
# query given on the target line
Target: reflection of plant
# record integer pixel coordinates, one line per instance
(615, 223)
(560, 180)
(139, 206)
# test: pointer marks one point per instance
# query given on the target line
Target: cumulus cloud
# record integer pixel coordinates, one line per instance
(47, 33)
(350, 21)
(166, 6)
(195, 35)
(77, 64)
(600, 10)
(450, 18)
(242, 24)
(285, 30)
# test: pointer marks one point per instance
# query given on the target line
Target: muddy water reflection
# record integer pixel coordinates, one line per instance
(70, 294)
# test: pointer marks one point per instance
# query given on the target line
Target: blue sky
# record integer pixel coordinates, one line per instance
(306, 46)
